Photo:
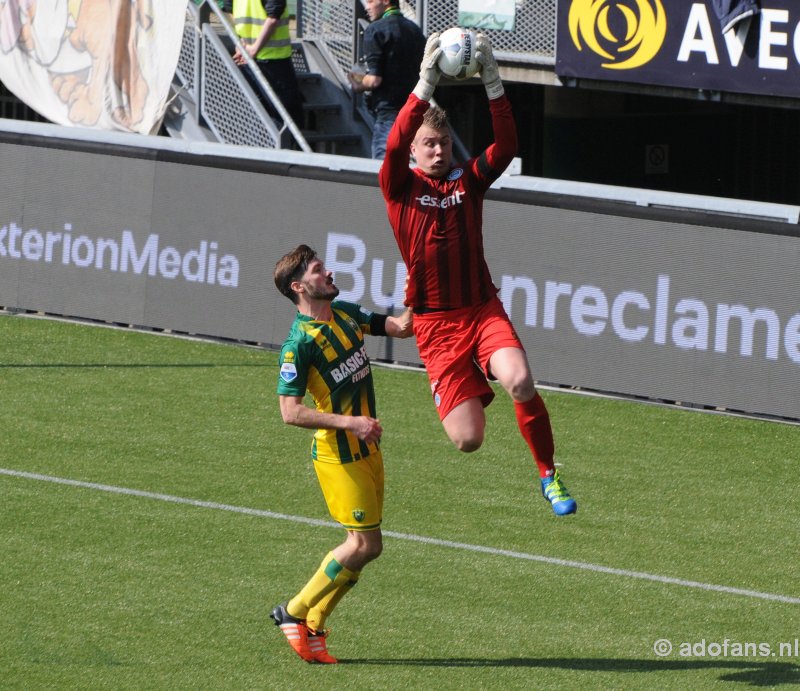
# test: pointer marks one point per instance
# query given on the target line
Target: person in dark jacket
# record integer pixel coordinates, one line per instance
(393, 48)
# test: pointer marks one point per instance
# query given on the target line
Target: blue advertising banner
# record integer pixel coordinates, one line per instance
(740, 46)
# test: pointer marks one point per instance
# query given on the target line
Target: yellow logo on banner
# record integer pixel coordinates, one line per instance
(643, 23)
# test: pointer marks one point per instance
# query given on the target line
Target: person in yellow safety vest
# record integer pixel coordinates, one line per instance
(263, 28)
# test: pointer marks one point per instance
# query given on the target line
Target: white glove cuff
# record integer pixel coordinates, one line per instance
(424, 90)
(494, 89)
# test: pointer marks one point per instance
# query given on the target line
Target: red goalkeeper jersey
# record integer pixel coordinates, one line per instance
(437, 222)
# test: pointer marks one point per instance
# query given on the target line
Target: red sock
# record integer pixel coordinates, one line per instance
(534, 424)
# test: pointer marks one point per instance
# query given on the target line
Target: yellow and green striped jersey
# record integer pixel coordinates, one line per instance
(329, 360)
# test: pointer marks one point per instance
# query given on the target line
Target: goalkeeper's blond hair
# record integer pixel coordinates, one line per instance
(436, 118)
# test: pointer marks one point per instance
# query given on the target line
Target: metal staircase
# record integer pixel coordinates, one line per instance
(331, 125)
(212, 101)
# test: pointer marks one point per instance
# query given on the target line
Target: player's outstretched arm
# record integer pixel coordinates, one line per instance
(400, 326)
(429, 73)
(490, 74)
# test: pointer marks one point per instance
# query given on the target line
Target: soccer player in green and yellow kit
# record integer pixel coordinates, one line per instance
(324, 354)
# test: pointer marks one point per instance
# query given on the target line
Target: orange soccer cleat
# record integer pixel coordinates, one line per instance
(319, 648)
(295, 630)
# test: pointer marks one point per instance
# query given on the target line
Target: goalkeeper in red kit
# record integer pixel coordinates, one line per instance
(463, 333)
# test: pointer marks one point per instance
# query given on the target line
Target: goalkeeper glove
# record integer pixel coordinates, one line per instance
(429, 73)
(490, 75)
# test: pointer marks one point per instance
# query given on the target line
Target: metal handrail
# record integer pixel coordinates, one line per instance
(207, 6)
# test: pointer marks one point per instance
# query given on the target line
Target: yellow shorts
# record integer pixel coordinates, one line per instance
(354, 491)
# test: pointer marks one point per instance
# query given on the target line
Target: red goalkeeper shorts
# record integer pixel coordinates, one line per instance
(455, 347)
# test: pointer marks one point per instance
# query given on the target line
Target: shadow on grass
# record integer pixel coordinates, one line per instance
(752, 673)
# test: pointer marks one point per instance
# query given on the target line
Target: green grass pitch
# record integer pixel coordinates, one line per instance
(105, 590)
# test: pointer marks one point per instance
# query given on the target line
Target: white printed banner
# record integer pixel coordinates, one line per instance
(487, 14)
(102, 64)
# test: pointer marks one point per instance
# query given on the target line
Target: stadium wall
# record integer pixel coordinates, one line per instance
(693, 306)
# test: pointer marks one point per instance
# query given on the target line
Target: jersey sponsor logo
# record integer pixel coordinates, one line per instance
(356, 365)
(288, 372)
(455, 173)
(358, 376)
(446, 202)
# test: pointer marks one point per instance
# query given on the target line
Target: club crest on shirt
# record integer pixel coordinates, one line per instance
(455, 173)
(288, 372)
(358, 514)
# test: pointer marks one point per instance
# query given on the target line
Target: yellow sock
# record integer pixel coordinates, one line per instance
(328, 576)
(322, 610)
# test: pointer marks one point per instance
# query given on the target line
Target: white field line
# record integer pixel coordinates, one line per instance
(585, 566)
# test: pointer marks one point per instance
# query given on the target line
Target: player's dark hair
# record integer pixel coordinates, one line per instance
(291, 267)
(436, 118)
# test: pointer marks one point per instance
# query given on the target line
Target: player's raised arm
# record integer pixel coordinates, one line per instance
(395, 170)
(490, 74)
(499, 154)
(429, 73)
(400, 326)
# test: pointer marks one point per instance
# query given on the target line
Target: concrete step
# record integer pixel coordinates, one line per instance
(331, 107)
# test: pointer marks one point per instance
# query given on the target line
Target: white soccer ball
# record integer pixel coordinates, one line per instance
(458, 53)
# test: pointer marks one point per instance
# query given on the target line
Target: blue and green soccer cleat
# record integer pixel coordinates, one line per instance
(554, 491)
